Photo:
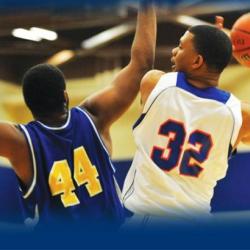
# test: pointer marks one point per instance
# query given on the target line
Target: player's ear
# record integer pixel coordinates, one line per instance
(198, 62)
(66, 97)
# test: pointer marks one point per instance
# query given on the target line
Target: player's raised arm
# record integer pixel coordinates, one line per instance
(107, 105)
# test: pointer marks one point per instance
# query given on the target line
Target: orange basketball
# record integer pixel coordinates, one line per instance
(240, 37)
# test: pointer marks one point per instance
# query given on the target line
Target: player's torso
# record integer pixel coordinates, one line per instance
(73, 174)
(182, 143)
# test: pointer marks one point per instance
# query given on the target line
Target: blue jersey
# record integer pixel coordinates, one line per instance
(73, 174)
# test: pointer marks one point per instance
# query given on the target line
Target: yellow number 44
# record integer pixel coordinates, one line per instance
(60, 178)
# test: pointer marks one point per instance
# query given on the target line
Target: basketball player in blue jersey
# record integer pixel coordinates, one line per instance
(62, 158)
(186, 132)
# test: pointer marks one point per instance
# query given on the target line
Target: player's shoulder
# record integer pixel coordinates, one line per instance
(11, 131)
(150, 79)
(152, 76)
(148, 82)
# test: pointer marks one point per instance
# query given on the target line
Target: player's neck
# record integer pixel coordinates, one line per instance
(54, 120)
(204, 80)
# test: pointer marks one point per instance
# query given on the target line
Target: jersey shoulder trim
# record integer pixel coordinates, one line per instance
(57, 128)
(97, 133)
(94, 127)
(206, 93)
(33, 183)
(166, 81)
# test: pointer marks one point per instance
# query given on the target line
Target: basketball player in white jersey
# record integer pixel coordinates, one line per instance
(187, 130)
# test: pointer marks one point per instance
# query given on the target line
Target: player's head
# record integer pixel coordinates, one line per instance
(202, 45)
(44, 90)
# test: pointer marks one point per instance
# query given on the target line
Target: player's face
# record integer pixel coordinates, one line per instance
(184, 55)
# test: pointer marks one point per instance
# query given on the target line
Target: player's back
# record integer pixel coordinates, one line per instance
(73, 176)
(183, 140)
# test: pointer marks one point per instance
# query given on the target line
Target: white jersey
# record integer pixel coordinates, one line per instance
(183, 137)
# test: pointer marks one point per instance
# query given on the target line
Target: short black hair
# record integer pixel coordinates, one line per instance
(213, 44)
(43, 89)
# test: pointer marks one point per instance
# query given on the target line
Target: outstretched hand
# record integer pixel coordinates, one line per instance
(219, 22)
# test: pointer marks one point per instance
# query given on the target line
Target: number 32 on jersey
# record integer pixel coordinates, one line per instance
(192, 158)
(61, 182)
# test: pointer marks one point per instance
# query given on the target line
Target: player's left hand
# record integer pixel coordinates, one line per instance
(219, 22)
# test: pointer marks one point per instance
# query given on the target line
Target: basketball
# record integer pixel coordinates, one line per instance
(240, 37)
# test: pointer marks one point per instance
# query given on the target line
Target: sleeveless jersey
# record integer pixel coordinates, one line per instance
(73, 174)
(183, 139)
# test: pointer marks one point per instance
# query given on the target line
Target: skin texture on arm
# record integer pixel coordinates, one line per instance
(13, 145)
(108, 105)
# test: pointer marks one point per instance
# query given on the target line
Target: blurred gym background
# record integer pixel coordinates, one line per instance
(90, 42)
